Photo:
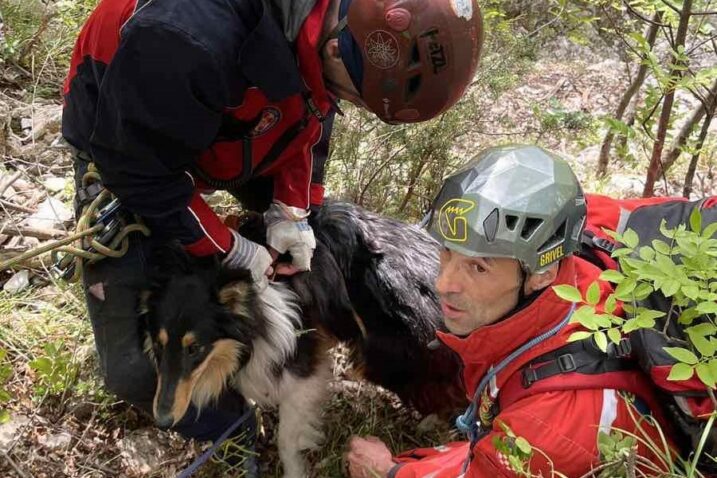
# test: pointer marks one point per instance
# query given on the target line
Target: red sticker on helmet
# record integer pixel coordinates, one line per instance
(381, 49)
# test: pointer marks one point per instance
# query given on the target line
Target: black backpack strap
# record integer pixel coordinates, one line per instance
(582, 357)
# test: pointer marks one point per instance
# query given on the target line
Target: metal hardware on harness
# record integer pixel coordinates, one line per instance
(101, 231)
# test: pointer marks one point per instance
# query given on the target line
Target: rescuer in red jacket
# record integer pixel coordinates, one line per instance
(509, 224)
(174, 99)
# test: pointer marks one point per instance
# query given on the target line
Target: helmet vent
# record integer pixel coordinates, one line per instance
(510, 222)
(415, 55)
(531, 225)
(556, 238)
(414, 83)
(490, 225)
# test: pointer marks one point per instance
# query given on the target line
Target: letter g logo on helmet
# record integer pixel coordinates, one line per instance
(452, 222)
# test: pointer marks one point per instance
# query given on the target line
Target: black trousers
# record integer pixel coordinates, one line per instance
(112, 288)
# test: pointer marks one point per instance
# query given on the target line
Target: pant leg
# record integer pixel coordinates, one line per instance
(112, 288)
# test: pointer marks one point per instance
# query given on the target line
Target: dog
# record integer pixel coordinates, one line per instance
(370, 286)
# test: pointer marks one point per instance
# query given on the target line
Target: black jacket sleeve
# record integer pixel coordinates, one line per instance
(160, 105)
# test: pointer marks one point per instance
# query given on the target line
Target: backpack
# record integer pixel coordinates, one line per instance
(638, 363)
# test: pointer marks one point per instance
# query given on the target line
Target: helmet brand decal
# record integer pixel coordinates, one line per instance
(452, 222)
(382, 49)
(463, 8)
(551, 255)
(436, 52)
(270, 116)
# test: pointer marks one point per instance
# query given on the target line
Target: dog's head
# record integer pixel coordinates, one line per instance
(196, 333)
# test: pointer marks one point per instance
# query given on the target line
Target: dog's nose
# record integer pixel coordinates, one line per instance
(164, 421)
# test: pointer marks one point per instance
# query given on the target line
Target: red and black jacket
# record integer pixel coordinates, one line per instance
(177, 98)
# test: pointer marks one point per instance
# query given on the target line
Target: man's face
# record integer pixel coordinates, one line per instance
(476, 291)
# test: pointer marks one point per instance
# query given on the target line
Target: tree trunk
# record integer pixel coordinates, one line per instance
(679, 142)
(689, 177)
(654, 169)
(650, 35)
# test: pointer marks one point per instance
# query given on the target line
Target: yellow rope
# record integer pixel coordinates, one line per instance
(79, 254)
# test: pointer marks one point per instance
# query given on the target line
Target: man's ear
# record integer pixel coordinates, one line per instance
(540, 281)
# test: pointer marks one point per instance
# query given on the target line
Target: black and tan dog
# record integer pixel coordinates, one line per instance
(371, 286)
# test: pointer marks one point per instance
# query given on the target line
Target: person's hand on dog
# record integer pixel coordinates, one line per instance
(249, 255)
(287, 229)
(368, 457)
(282, 268)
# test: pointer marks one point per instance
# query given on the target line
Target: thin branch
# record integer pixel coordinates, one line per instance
(639, 15)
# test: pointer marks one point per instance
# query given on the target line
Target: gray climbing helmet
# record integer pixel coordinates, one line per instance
(516, 201)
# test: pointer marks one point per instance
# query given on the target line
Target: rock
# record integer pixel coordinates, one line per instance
(18, 282)
(55, 184)
(144, 451)
(10, 431)
(50, 214)
(55, 441)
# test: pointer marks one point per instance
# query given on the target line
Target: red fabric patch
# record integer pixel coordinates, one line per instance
(710, 202)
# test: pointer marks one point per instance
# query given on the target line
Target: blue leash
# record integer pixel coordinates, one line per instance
(467, 422)
(201, 459)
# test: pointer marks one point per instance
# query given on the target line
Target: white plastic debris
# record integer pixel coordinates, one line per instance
(50, 214)
(18, 282)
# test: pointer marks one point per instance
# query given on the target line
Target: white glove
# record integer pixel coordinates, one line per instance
(250, 256)
(288, 230)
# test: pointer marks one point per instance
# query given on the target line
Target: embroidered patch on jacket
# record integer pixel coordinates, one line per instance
(270, 116)
(382, 49)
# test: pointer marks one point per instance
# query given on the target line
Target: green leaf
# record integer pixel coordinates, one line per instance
(703, 346)
(661, 247)
(691, 291)
(670, 287)
(712, 365)
(600, 340)
(710, 231)
(642, 291)
(585, 315)
(705, 374)
(593, 294)
(688, 315)
(610, 304)
(523, 445)
(682, 355)
(666, 231)
(630, 239)
(603, 320)
(706, 307)
(4, 416)
(614, 335)
(568, 292)
(611, 275)
(623, 251)
(630, 326)
(42, 364)
(647, 253)
(696, 220)
(580, 335)
(702, 329)
(624, 289)
(680, 371)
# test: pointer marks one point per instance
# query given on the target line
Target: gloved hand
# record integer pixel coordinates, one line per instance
(249, 255)
(288, 230)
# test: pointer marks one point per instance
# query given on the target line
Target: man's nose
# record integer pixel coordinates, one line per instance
(447, 282)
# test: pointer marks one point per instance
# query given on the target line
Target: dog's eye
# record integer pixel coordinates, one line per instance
(193, 350)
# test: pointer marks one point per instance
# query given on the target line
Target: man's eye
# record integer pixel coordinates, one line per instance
(477, 267)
